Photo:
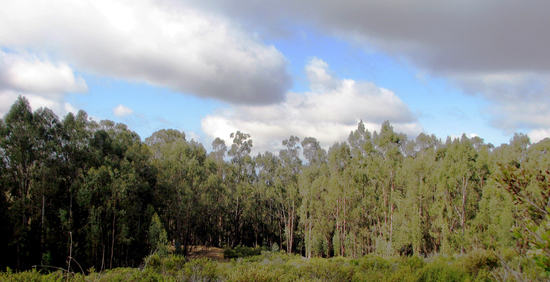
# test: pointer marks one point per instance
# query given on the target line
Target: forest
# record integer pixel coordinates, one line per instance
(95, 193)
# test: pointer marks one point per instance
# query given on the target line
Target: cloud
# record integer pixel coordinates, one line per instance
(57, 105)
(499, 50)
(328, 112)
(519, 100)
(161, 42)
(41, 81)
(445, 36)
(190, 135)
(538, 135)
(28, 73)
(121, 111)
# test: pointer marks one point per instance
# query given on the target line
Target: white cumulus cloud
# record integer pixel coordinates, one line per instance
(28, 73)
(41, 81)
(328, 112)
(160, 42)
(122, 110)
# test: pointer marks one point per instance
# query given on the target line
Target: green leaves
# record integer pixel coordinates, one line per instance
(157, 236)
(529, 188)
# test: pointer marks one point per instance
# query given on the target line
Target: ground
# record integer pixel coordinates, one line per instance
(212, 253)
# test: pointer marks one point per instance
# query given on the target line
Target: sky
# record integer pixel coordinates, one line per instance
(289, 67)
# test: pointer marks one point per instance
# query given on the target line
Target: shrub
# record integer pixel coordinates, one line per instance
(242, 251)
(443, 269)
(257, 273)
(480, 260)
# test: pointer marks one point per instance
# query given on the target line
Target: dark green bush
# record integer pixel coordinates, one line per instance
(242, 251)
(256, 273)
(34, 275)
(480, 260)
(318, 269)
(444, 269)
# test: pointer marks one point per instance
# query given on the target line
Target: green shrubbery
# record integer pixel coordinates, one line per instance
(34, 275)
(478, 265)
(242, 251)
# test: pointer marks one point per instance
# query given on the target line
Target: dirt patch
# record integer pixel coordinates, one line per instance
(212, 253)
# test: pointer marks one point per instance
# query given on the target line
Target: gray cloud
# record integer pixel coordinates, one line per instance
(497, 49)
(444, 36)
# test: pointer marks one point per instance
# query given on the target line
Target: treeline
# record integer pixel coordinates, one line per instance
(93, 192)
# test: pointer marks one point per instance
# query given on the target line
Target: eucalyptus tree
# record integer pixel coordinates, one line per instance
(496, 214)
(182, 187)
(46, 180)
(163, 137)
(365, 183)
(313, 185)
(35, 172)
(527, 182)
(338, 161)
(390, 144)
(515, 152)
(419, 179)
(239, 185)
(266, 221)
(6, 228)
(110, 194)
(459, 190)
(286, 187)
(20, 151)
(217, 171)
(75, 154)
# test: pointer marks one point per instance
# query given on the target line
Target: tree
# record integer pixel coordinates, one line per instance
(312, 183)
(157, 236)
(181, 181)
(287, 187)
(20, 146)
(217, 171)
(459, 187)
(530, 191)
(239, 184)
(390, 145)
(266, 218)
(114, 195)
(418, 177)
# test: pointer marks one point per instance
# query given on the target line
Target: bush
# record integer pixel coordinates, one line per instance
(33, 275)
(327, 270)
(443, 269)
(241, 251)
(479, 265)
(256, 273)
(480, 260)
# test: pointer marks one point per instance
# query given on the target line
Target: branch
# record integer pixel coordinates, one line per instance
(518, 276)
(537, 237)
(534, 205)
(50, 266)
(78, 265)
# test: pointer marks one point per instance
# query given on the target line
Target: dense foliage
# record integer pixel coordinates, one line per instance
(93, 194)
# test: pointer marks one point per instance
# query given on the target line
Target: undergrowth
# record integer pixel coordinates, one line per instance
(478, 265)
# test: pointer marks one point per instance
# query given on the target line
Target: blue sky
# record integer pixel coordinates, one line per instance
(283, 68)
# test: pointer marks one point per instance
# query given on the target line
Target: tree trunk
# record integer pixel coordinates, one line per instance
(391, 207)
(113, 240)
